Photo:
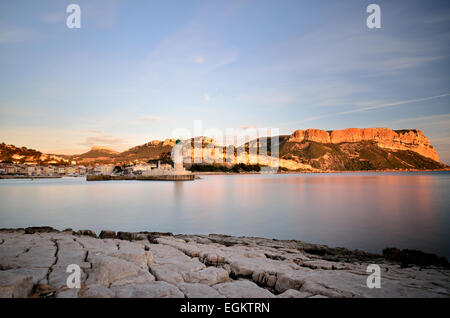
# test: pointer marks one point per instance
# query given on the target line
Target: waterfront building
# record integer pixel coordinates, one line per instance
(103, 169)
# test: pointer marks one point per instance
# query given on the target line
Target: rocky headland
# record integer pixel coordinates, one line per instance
(33, 263)
(311, 150)
(355, 149)
(408, 139)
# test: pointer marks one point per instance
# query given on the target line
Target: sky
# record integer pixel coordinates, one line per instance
(137, 70)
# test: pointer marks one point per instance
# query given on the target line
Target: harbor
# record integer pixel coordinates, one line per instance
(174, 177)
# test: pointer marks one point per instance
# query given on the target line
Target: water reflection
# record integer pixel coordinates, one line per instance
(365, 211)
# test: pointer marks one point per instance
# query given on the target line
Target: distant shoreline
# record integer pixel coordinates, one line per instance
(29, 177)
(312, 172)
(221, 173)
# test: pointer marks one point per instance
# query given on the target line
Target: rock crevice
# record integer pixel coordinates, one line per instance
(202, 266)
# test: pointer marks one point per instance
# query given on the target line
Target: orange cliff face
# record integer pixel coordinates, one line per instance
(410, 139)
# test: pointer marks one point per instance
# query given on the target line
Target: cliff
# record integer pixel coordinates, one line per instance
(410, 139)
(350, 149)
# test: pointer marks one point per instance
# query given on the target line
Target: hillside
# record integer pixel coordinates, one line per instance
(96, 154)
(23, 155)
(152, 150)
(305, 150)
(356, 156)
(361, 149)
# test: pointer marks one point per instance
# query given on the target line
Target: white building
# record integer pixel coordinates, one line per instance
(143, 167)
(103, 169)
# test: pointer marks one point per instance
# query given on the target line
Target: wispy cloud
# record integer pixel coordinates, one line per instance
(268, 98)
(150, 118)
(54, 17)
(408, 62)
(169, 63)
(102, 13)
(392, 104)
(424, 120)
(105, 140)
(206, 98)
(14, 34)
(374, 106)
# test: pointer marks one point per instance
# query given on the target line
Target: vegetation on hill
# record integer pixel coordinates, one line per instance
(22, 155)
(237, 168)
(356, 156)
(299, 155)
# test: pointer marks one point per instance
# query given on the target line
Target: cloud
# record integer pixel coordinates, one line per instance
(175, 61)
(206, 98)
(392, 104)
(151, 118)
(273, 98)
(104, 140)
(408, 62)
(373, 106)
(54, 17)
(424, 120)
(48, 140)
(67, 151)
(13, 34)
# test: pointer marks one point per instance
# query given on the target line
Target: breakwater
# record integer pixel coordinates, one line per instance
(29, 177)
(182, 177)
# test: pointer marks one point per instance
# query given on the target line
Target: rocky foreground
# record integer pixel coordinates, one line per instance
(33, 263)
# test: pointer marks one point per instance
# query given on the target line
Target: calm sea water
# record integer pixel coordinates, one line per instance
(355, 210)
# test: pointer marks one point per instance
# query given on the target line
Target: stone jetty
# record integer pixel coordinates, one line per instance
(173, 177)
(34, 261)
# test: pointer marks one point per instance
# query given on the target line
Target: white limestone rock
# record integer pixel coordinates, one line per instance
(208, 276)
(242, 289)
(95, 245)
(148, 290)
(168, 273)
(37, 274)
(292, 293)
(58, 277)
(107, 270)
(13, 285)
(70, 252)
(144, 277)
(289, 280)
(97, 291)
(196, 290)
(133, 253)
(198, 266)
(68, 293)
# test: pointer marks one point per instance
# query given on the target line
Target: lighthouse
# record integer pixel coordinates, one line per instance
(177, 157)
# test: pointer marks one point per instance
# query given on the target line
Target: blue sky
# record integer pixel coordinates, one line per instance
(137, 70)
